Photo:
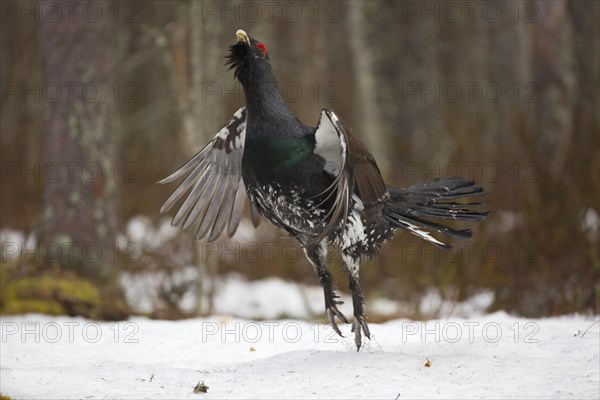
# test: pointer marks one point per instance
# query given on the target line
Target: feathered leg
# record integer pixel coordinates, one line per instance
(352, 265)
(317, 255)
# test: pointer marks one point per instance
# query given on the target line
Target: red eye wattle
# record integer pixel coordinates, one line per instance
(262, 48)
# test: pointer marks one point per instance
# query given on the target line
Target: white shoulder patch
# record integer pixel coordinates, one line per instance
(328, 143)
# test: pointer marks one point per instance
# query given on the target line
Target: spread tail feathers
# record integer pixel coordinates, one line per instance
(408, 208)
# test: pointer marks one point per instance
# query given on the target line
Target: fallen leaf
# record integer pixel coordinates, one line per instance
(200, 388)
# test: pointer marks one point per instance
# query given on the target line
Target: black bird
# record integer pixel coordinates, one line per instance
(319, 184)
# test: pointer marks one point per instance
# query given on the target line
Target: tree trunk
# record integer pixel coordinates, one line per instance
(79, 171)
(364, 76)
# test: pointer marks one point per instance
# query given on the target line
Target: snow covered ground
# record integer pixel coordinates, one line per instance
(491, 356)
(466, 354)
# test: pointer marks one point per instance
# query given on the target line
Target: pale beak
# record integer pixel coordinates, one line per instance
(242, 36)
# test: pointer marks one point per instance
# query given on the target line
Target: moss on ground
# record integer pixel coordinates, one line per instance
(55, 292)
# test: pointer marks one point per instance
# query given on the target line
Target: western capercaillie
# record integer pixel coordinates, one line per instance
(320, 184)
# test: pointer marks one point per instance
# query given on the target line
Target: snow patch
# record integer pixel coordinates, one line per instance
(590, 223)
(495, 356)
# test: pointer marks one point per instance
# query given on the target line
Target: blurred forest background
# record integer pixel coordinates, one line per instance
(102, 100)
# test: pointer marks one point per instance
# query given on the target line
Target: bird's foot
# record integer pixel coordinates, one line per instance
(359, 325)
(332, 312)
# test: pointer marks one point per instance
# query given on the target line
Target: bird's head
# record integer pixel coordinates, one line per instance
(249, 58)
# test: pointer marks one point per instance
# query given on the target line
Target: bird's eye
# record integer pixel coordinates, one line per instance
(262, 48)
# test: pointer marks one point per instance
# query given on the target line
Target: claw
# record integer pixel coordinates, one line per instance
(332, 322)
(357, 336)
(339, 314)
(332, 312)
(358, 327)
(365, 328)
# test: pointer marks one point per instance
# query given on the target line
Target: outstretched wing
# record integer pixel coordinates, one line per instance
(354, 168)
(214, 175)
